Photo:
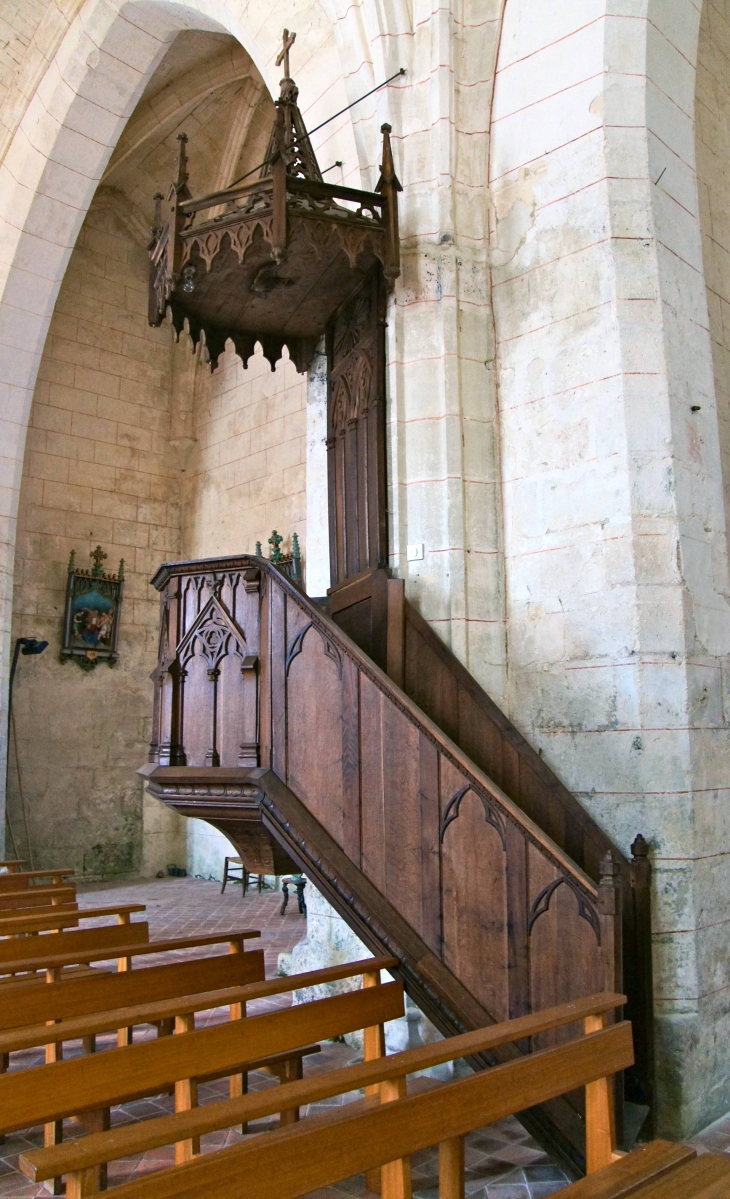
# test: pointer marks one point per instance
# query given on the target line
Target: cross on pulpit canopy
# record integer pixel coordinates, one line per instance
(288, 41)
(98, 555)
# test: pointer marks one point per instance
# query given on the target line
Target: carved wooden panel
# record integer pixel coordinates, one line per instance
(356, 433)
(249, 666)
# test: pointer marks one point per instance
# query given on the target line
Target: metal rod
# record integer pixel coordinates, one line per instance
(309, 132)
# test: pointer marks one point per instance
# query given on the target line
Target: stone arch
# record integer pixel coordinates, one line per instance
(60, 148)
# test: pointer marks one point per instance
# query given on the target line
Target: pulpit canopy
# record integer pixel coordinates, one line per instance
(271, 260)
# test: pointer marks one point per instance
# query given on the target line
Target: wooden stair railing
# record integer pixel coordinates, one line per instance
(256, 684)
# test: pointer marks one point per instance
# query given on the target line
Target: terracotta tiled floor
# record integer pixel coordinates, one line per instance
(502, 1161)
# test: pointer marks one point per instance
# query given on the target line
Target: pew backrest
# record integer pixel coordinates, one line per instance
(180, 1004)
(49, 919)
(48, 1093)
(109, 936)
(36, 897)
(97, 992)
(30, 878)
(137, 949)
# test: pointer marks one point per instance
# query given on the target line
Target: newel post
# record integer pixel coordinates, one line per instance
(610, 918)
(611, 924)
(642, 986)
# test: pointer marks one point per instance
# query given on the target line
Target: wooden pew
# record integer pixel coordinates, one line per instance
(12, 865)
(36, 897)
(106, 937)
(76, 1158)
(142, 1010)
(53, 964)
(73, 998)
(54, 919)
(29, 878)
(93, 1084)
(324, 1150)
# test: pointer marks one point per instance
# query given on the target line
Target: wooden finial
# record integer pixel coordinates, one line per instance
(182, 161)
(640, 847)
(389, 185)
(157, 219)
(288, 41)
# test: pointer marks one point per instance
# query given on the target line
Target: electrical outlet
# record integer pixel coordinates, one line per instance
(415, 552)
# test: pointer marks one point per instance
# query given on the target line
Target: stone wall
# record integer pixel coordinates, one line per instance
(97, 470)
(712, 144)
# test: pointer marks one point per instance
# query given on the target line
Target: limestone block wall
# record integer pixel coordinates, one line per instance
(712, 142)
(96, 470)
(615, 543)
(246, 458)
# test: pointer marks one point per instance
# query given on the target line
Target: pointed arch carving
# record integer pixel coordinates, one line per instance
(297, 645)
(453, 807)
(541, 905)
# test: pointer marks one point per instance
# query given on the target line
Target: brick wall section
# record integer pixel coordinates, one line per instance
(96, 470)
(712, 145)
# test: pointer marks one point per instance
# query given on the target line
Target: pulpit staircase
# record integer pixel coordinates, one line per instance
(409, 800)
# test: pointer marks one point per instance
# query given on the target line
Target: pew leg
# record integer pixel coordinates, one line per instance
(395, 1177)
(600, 1119)
(238, 1083)
(237, 1086)
(373, 1047)
(451, 1169)
(290, 1071)
(89, 1043)
(53, 1135)
(4, 1066)
(98, 1121)
(186, 1098)
(165, 1028)
(82, 1183)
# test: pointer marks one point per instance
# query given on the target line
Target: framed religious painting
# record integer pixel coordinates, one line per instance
(91, 619)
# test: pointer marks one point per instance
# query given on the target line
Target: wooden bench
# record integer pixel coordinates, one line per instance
(29, 878)
(54, 964)
(142, 1010)
(54, 919)
(70, 944)
(93, 1084)
(12, 865)
(385, 1131)
(73, 998)
(36, 897)
(77, 1158)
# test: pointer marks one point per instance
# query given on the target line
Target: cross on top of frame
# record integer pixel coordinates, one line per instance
(288, 40)
(98, 555)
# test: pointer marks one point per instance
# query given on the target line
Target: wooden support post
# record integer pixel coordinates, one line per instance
(373, 1047)
(238, 1083)
(395, 1177)
(451, 1169)
(600, 1123)
(125, 1036)
(186, 1097)
(82, 1183)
